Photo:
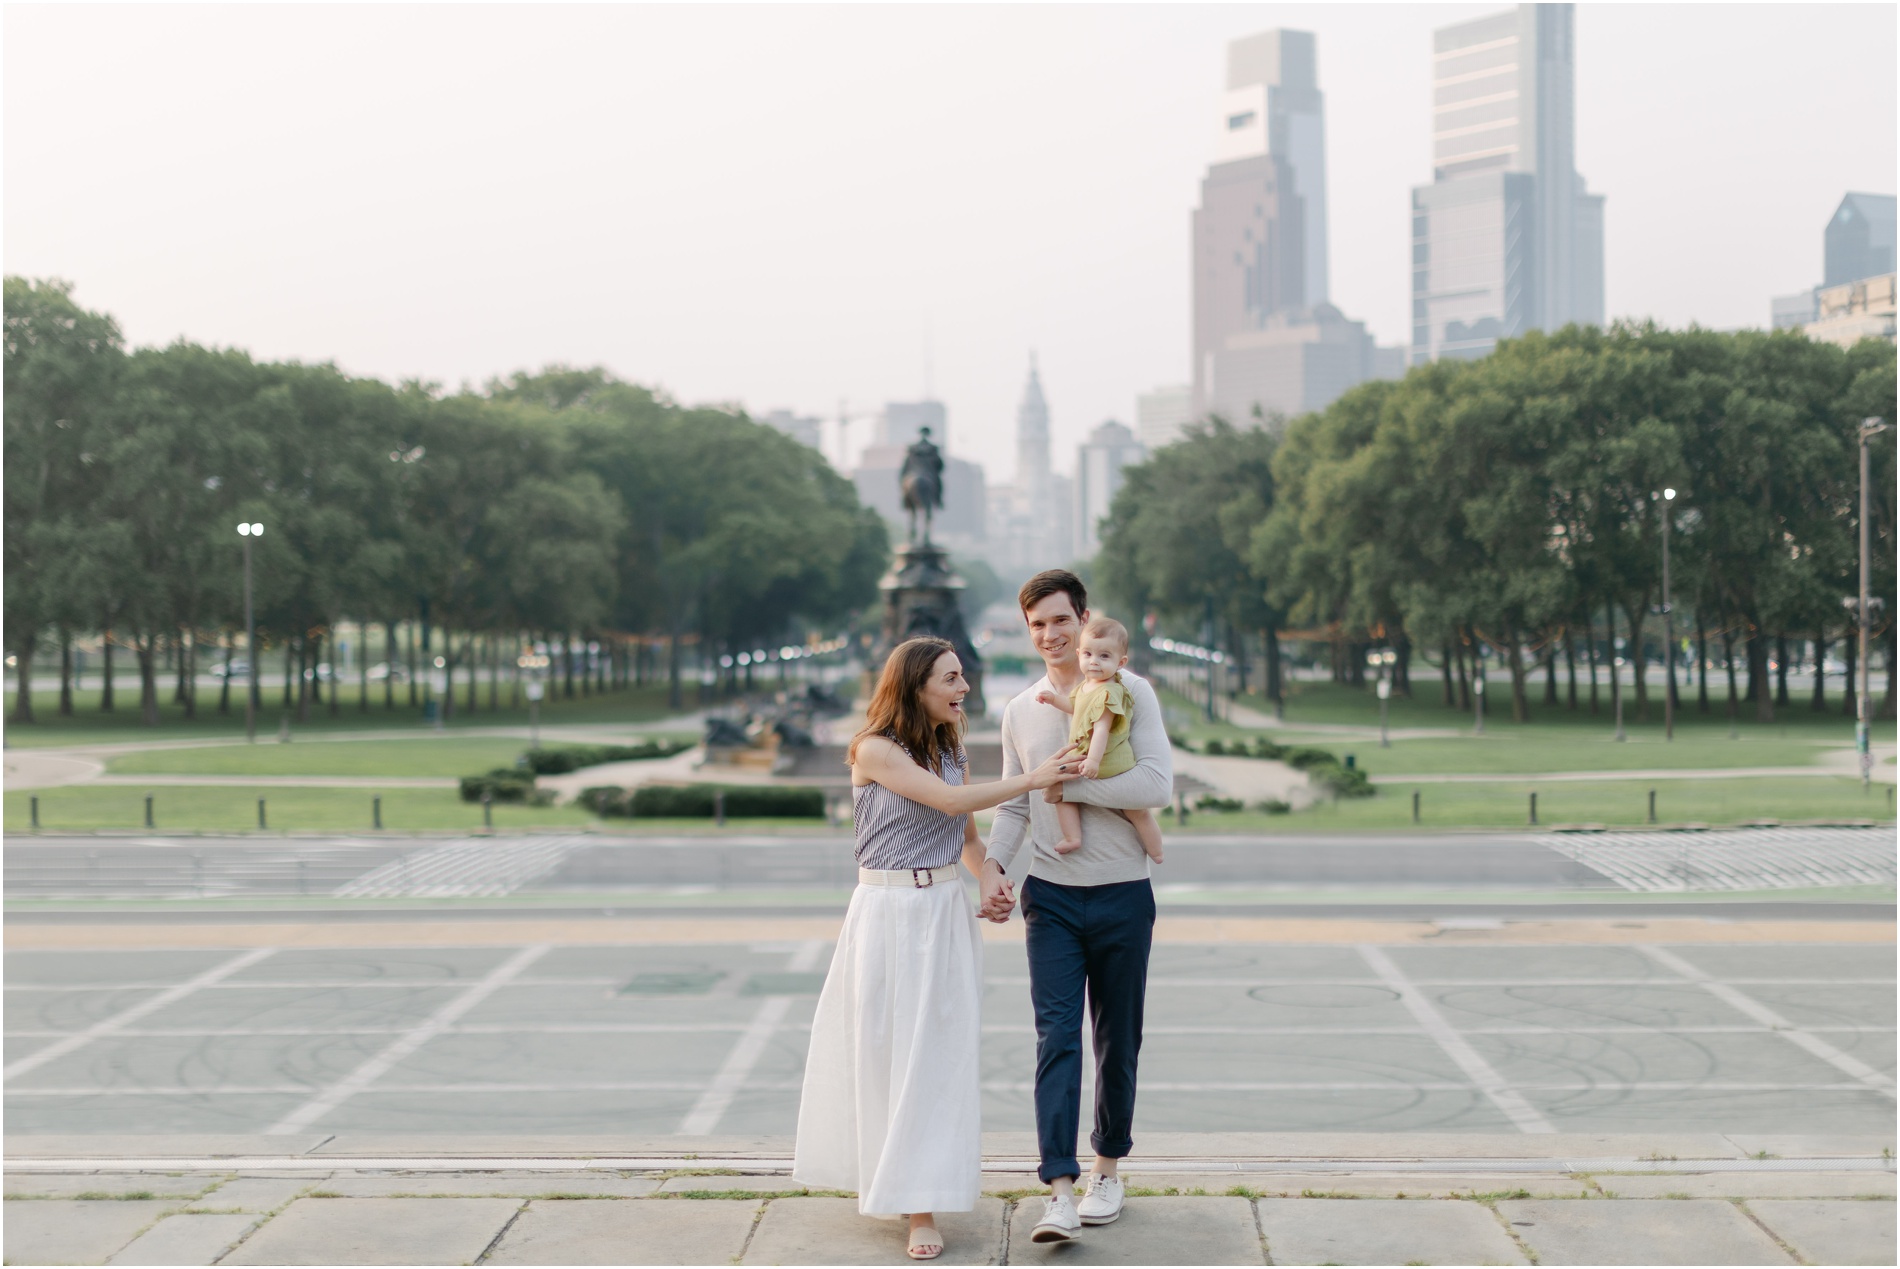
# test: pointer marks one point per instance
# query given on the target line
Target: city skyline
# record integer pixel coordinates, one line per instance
(450, 216)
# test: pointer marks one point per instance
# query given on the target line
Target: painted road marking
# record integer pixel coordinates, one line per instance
(1488, 1081)
(1752, 1008)
(737, 1069)
(109, 1026)
(359, 1079)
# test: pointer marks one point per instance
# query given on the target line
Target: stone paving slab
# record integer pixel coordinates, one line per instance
(1825, 1233)
(75, 1231)
(1413, 1185)
(377, 1231)
(500, 1184)
(186, 1239)
(620, 1232)
(1384, 1232)
(1151, 1231)
(757, 1184)
(255, 1193)
(829, 1231)
(111, 1184)
(1689, 1232)
(1819, 1185)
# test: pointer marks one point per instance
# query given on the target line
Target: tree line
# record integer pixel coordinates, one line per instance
(1512, 508)
(564, 505)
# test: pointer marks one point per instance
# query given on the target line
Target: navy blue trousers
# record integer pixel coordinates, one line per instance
(1093, 937)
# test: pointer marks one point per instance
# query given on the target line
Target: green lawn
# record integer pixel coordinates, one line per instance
(1332, 703)
(302, 810)
(1529, 750)
(1505, 804)
(88, 725)
(445, 755)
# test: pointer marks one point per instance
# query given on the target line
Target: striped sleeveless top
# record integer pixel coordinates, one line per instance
(894, 832)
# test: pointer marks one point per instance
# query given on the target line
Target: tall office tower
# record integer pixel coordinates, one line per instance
(1859, 240)
(1273, 106)
(1506, 239)
(1098, 475)
(1266, 340)
(806, 431)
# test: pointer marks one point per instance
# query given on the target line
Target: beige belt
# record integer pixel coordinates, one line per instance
(917, 878)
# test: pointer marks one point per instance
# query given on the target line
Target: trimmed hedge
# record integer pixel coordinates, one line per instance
(573, 757)
(743, 802)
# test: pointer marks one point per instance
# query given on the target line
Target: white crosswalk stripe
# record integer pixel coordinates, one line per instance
(1736, 859)
(481, 867)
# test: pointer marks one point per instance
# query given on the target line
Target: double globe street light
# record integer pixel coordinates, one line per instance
(249, 532)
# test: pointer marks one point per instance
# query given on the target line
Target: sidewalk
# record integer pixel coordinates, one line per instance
(1226, 1199)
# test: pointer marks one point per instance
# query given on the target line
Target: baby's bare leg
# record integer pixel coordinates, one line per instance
(1069, 815)
(1148, 829)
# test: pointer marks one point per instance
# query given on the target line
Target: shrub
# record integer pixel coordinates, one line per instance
(1215, 748)
(573, 757)
(1274, 806)
(605, 799)
(695, 801)
(1208, 802)
(503, 784)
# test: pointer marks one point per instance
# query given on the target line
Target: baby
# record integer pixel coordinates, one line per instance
(1101, 708)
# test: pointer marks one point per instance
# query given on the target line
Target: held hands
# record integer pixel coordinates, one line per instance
(997, 894)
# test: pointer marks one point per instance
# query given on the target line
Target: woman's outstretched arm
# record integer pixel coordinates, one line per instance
(882, 761)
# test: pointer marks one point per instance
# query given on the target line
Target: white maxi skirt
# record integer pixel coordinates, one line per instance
(892, 1106)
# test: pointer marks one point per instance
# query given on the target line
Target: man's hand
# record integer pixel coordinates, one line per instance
(998, 895)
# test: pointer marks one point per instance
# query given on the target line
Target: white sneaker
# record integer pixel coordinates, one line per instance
(1103, 1202)
(1059, 1222)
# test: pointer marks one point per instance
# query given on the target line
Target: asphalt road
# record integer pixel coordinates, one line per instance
(1768, 1037)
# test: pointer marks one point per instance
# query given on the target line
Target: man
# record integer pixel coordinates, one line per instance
(1089, 915)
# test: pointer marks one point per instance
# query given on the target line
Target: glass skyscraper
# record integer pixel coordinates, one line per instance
(1505, 239)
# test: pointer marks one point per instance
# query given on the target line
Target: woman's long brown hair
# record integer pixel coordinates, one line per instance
(897, 708)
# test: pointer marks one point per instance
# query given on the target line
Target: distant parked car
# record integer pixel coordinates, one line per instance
(321, 672)
(384, 670)
(239, 668)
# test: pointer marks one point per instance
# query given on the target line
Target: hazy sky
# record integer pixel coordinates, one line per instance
(790, 206)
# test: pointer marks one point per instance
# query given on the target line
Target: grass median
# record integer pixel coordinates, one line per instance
(1612, 803)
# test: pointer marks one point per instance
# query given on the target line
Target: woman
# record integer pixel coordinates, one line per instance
(891, 1107)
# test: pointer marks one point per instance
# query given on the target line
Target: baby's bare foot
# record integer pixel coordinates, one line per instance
(1064, 847)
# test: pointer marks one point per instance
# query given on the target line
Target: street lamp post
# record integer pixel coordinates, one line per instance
(1616, 681)
(1477, 695)
(1669, 629)
(1868, 429)
(249, 532)
(1384, 659)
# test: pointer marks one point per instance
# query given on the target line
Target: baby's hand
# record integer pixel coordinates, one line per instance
(1045, 697)
(1089, 768)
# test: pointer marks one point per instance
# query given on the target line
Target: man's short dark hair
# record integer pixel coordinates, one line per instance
(1053, 581)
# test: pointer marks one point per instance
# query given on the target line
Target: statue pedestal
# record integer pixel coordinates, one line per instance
(920, 598)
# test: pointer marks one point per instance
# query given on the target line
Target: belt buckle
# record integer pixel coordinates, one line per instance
(930, 878)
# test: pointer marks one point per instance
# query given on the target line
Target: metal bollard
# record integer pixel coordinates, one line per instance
(1652, 806)
(1533, 808)
(262, 822)
(719, 806)
(36, 811)
(148, 811)
(488, 809)
(376, 811)
(1414, 806)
